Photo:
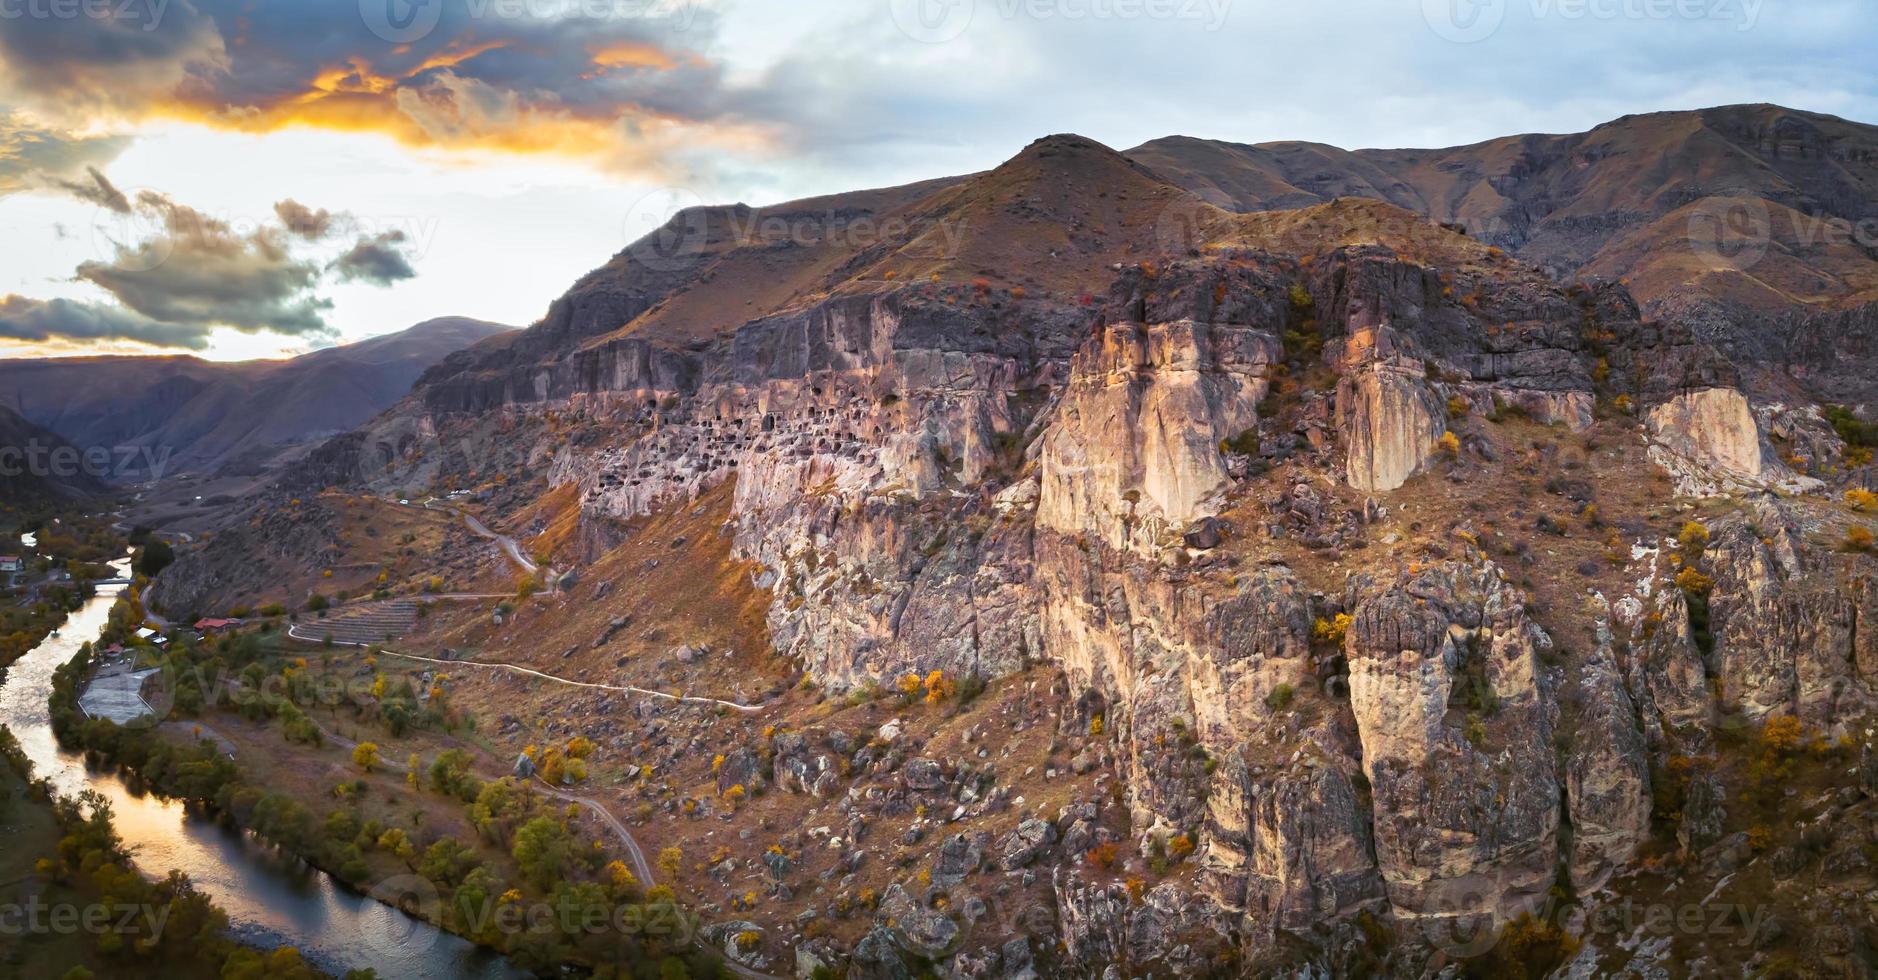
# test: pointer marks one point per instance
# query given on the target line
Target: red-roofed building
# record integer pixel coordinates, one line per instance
(216, 625)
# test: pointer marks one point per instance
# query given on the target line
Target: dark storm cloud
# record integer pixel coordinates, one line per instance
(108, 61)
(488, 75)
(33, 320)
(377, 259)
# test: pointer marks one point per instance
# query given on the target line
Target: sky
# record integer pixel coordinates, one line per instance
(259, 178)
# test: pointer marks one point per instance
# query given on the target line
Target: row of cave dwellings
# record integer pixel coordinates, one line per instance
(706, 448)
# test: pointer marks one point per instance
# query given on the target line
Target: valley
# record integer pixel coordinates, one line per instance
(1086, 576)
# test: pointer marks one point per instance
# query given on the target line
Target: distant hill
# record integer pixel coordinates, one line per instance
(205, 415)
(37, 465)
(1638, 198)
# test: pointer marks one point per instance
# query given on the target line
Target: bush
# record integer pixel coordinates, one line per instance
(1855, 431)
(1280, 697)
(1693, 540)
(1858, 538)
(1530, 947)
(1244, 444)
(1862, 499)
(1450, 445)
(1694, 583)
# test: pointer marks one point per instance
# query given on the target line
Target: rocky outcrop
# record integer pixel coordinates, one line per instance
(1713, 426)
(1607, 775)
(1391, 424)
(1290, 848)
(1133, 449)
(1456, 733)
(1786, 631)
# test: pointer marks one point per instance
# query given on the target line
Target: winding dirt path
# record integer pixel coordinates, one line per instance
(748, 709)
(481, 530)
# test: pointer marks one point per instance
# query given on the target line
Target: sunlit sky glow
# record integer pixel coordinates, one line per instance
(478, 169)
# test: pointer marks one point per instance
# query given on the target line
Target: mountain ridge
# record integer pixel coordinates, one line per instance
(1265, 592)
(203, 414)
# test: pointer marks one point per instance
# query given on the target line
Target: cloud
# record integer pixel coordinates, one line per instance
(109, 63)
(34, 320)
(97, 189)
(378, 259)
(188, 274)
(303, 221)
(200, 271)
(581, 80)
(32, 154)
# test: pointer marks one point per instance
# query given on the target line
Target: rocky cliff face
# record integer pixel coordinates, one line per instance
(1346, 543)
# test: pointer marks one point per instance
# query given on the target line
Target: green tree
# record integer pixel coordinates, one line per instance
(154, 558)
(542, 850)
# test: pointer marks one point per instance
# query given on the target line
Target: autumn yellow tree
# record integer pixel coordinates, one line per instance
(671, 860)
(365, 756)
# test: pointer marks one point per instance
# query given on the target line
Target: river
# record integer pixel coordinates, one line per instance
(271, 899)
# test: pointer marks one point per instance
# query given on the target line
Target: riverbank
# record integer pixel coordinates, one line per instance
(271, 899)
(55, 567)
(479, 855)
(78, 908)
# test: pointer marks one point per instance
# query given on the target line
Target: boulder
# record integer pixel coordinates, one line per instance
(1023, 845)
(923, 775)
